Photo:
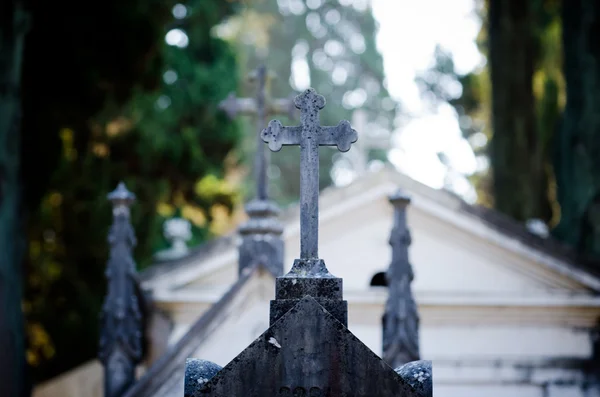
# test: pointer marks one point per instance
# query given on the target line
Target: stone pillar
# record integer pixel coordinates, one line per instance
(262, 242)
(400, 319)
(121, 334)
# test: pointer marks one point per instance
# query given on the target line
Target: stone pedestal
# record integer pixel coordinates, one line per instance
(262, 242)
(322, 286)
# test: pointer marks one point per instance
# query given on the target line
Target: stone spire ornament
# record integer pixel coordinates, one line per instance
(400, 319)
(121, 334)
(262, 241)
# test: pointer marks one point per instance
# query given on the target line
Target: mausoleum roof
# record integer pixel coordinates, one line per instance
(167, 372)
(516, 237)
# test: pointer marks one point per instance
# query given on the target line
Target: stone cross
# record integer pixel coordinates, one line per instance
(401, 318)
(122, 322)
(261, 106)
(262, 242)
(309, 136)
(307, 351)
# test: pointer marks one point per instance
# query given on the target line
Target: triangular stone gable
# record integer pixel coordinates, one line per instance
(444, 257)
(451, 248)
(307, 352)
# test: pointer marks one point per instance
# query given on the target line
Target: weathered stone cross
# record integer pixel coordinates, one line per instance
(307, 349)
(261, 106)
(309, 136)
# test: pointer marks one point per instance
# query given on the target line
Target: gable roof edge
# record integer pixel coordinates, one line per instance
(164, 368)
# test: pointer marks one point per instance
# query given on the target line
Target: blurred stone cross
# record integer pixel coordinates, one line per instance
(309, 136)
(262, 242)
(262, 106)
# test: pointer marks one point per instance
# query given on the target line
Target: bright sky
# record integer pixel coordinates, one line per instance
(408, 33)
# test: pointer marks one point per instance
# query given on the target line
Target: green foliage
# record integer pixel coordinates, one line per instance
(577, 160)
(474, 106)
(335, 40)
(100, 109)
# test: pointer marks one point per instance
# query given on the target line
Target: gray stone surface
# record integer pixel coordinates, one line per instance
(197, 373)
(262, 242)
(400, 319)
(309, 277)
(307, 353)
(418, 374)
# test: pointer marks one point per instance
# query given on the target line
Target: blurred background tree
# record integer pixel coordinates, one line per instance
(528, 113)
(326, 44)
(129, 92)
(13, 28)
(577, 162)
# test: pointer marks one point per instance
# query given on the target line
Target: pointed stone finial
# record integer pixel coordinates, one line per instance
(121, 196)
(400, 319)
(399, 199)
(121, 319)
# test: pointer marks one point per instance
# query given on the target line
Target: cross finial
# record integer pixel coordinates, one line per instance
(261, 106)
(310, 101)
(309, 136)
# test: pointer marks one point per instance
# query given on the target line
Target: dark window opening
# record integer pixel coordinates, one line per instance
(379, 280)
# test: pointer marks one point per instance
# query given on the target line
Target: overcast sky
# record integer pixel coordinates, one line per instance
(408, 33)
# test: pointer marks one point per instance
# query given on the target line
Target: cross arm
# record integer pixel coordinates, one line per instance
(342, 136)
(233, 106)
(282, 106)
(276, 135)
